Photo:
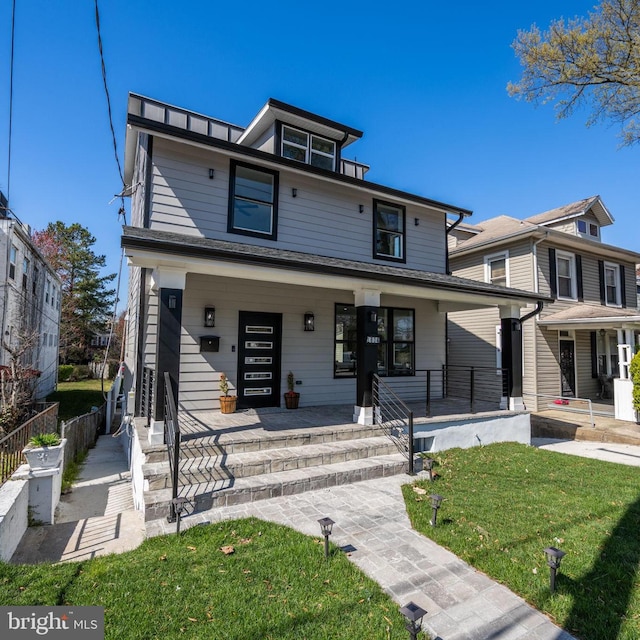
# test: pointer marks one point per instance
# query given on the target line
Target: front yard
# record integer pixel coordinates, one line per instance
(503, 504)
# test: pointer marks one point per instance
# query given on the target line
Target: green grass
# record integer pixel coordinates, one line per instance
(276, 585)
(77, 398)
(505, 503)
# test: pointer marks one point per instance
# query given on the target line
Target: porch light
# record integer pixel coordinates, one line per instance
(294, 192)
(554, 558)
(361, 208)
(209, 316)
(212, 174)
(428, 466)
(309, 322)
(436, 501)
(602, 333)
(413, 615)
(326, 526)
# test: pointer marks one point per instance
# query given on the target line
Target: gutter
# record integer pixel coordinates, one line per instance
(538, 309)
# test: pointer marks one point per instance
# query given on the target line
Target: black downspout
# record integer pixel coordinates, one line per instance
(538, 309)
(449, 230)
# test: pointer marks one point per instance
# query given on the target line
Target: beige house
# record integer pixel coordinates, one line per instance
(579, 346)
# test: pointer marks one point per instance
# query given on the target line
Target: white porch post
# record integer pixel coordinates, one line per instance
(623, 386)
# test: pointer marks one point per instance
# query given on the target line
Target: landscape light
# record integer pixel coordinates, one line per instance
(413, 615)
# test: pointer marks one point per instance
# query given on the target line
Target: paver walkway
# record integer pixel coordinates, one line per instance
(373, 528)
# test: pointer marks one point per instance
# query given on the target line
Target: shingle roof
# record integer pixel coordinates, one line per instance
(565, 211)
(590, 312)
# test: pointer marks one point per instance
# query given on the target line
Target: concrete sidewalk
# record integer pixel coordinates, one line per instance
(96, 518)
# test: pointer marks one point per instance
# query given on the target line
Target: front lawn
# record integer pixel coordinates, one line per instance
(77, 398)
(504, 503)
(231, 581)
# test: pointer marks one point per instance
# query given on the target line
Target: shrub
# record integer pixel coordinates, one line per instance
(64, 372)
(80, 372)
(634, 372)
(45, 440)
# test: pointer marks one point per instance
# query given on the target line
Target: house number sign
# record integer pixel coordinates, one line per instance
(373, 339)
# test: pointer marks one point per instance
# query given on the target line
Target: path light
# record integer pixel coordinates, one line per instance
(413, 615)
(554, 557)
(436, 501)
(179, 505)
(428, 466)
(326, 525)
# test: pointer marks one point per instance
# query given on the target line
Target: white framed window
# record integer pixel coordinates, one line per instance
(496, 268)
(308, 148)
(13, 257)
(588, 229)
(612, 284)
(566, 275)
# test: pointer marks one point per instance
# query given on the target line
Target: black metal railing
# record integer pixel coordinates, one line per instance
(146, 395)
(394, 417)
(172, 438)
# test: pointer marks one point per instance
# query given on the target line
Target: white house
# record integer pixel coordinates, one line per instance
(260, 250)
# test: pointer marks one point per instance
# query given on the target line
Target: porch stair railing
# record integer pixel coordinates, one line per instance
(394, 417)
(146, 400)
(172, 438)
(564, 403)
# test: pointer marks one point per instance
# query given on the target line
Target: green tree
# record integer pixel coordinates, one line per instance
(592, 61)
(86, 303)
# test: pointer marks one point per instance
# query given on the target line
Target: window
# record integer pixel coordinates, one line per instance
(35, 279)
(253, 201)
(389, 231)
(566, 275)
(25, 272)
(47, 290)
(496, 269)
(308, 148)
(396, 351)
(611, 284)
(593, 229)
(13, 257)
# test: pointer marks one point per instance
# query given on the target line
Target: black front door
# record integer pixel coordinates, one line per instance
(259, 338)
(567, 368)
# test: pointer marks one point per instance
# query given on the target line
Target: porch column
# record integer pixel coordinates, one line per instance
(367, 306)
(623, 385)
(170, 285)
(511, 328)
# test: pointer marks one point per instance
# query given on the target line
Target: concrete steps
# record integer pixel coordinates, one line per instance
(243, 466)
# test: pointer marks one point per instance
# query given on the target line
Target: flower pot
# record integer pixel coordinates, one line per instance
(45, 457)
(228, 404)
(291, 399)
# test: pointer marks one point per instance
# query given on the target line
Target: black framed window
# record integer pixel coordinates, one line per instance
(253, 201)
(396, 351)
(389, 231)
(308, 148)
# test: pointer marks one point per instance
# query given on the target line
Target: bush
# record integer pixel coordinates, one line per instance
(64, 372)
(634, 372)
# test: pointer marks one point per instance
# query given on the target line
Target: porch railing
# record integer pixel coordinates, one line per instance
(563, 403)
(172, 438)
(394, 417)
(12, 444)
(146, 395)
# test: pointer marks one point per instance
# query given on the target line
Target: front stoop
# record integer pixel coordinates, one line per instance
(563, 428)
(233, 469)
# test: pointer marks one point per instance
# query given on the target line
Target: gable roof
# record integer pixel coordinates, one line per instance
(573, 210)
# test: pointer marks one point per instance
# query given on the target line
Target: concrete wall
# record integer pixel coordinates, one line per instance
(14, 516)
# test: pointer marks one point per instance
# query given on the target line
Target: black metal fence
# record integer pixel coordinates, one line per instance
(172, 438)
(394, 417)
(11, 446)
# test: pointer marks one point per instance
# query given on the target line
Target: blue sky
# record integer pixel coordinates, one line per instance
(424, 80)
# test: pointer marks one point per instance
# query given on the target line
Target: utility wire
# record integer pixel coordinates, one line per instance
(13, 39)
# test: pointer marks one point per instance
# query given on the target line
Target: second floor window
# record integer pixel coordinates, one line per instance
(25, 272)
(496, 269)
(389, 231)
(13, 257)
(308, 148)
(566, 274)
(612, 284)
(253, 201)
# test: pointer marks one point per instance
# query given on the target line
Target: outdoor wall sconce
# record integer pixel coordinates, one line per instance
(554, 557)
(416, 221)
(212, 174)
(326, 526)
(602, 333)
(309, 322)
(436, 501)
(413, 615)
(209, 316)
(428, 466)
(294, 192)
(361, 208)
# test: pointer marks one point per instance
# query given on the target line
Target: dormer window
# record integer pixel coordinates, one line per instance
(308, 148)
(588, 229)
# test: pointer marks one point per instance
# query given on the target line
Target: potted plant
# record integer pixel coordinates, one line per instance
(227, 402)
(44, 451)
(291, 397)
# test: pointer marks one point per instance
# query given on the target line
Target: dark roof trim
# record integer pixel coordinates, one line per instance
(307, 115)
(177, 132)
(197, 247)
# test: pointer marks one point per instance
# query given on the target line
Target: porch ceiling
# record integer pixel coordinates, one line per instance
(156, 249)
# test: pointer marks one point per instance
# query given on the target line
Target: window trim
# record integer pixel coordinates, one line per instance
(618, 283)
(589, 227)
(231, 228)
(308, 149)
(574, 276)
(403, 233)
(500, 255)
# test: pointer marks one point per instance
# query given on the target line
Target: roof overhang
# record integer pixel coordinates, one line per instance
(157, 249)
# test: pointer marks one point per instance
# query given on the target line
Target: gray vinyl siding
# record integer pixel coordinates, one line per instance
(138, 195)
(547, 362)
(323, 219)
(309, 355)
(588, 387)
(472, 338)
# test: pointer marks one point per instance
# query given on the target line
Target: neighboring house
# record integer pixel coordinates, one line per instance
(260, 250)
(581, 342)
(29, 301)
